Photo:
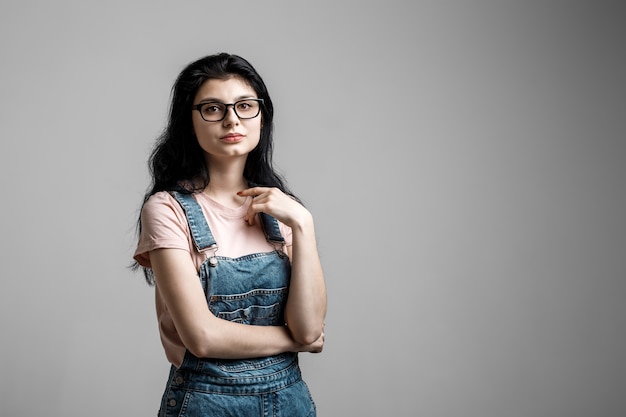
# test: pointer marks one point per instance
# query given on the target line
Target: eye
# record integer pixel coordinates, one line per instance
(245, 105)
(212, 108)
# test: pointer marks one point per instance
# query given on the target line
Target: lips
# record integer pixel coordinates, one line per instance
(232, 138)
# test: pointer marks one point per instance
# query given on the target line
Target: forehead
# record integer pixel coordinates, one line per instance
(228, 89)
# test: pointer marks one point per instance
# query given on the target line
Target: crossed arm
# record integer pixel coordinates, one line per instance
(205, 335)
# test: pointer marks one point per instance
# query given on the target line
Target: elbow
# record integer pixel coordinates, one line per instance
(198, 352)
(199, 345)
(305, 332)
(306, 336)
(197, 349)
(308, 339)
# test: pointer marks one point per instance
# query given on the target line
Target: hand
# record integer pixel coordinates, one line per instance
(277, 204)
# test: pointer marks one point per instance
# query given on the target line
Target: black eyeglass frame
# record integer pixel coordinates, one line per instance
(198, 107)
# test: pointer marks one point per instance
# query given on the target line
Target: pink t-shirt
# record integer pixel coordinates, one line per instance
(164, 225)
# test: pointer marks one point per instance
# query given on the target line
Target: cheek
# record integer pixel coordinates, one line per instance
(258, 126)
(202, 130)
(257, 135)
(196, 126)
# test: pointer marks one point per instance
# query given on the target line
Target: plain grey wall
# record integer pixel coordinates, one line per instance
(465, 162)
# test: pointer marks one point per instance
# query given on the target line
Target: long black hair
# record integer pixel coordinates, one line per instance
(177, 161)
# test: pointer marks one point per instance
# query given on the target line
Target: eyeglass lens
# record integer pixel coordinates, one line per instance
(244, 109)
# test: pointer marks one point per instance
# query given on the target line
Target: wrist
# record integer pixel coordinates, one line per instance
(304, 223)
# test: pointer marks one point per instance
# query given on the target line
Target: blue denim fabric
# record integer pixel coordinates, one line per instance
(251, 290)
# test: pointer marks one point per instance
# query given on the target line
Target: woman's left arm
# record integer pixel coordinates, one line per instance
(306, 306)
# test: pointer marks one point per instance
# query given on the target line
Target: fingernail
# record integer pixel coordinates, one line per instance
(239, 192)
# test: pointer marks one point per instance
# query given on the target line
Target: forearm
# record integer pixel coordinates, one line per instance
(202, 333)
(227, 340)
(306, 305)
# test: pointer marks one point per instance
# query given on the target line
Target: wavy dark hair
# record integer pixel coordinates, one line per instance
(177, 161)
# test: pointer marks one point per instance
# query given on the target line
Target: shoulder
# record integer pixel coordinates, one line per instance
(161, 205)
(161, 197)
(163, 225)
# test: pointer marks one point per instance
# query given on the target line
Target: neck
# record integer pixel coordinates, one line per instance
(226, 179)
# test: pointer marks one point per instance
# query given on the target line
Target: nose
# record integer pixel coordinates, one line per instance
(230, 117)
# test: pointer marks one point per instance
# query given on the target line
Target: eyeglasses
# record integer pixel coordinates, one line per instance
(215, 111)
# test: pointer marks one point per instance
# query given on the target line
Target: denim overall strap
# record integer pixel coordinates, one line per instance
(200, 232)
(271, 229)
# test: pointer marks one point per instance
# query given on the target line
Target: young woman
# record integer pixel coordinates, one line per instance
(231, 252)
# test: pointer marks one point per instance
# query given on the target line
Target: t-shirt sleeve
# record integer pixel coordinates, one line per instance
(163, 225)
(285, 231)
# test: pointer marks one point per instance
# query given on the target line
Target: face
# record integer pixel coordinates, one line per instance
(231, 137)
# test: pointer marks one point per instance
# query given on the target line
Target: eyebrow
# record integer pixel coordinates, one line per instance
(215, 100)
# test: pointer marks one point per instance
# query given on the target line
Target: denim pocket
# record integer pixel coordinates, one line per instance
(261, 307)
(251, 365)
(258, 315)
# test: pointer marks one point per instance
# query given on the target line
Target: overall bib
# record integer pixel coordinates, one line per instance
(251, 290)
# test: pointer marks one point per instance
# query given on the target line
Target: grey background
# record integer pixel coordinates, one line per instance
(464, 162)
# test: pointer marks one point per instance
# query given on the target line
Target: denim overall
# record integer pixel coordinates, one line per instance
(251, 290)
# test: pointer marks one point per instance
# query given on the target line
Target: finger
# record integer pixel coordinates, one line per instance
(251, 214)
(248, 219)
(261, 203)
(253, 192)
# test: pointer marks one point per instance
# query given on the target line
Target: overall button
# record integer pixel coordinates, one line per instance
(172, 403)
(179, 380)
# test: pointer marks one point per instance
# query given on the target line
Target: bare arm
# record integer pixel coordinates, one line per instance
(306, 304)
(202, 333)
